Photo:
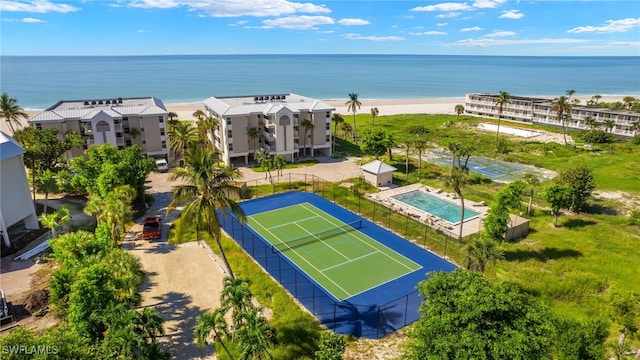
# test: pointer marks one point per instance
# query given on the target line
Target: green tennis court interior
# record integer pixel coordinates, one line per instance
(339, 257)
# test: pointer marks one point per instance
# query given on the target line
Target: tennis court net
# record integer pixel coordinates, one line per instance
(320, 236)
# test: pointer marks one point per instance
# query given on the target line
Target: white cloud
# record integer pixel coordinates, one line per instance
(235, 8)
(511, 14)
(486, 42)
(442, 24)
(611, 26)
(302, 22)
(448, 15)
(475, 28)
(449, 6)
(36, 6)
(352, 36)
(32, 20)
(429, 33)
(349, 22)
(487, 4)
(496, 34)
(141, 31)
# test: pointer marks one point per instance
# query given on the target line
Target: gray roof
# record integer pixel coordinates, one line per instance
(86, 109)
(9, 147)
(263, 104)
(377, 167)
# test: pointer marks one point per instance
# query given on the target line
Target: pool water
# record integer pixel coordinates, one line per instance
(434, 205)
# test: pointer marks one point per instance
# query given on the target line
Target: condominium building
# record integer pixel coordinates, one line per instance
(278, 119)
(121, 122)
(538, 111)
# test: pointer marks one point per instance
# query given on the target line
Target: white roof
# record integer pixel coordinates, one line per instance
(9, 147)
(87, 109)
(377, 167)
(263, 104)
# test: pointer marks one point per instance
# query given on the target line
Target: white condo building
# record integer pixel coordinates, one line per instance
(538, 111)
(278, 118)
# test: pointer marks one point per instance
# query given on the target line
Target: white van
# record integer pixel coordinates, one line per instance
(162, 165)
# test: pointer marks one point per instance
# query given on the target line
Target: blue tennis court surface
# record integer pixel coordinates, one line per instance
(387, 305)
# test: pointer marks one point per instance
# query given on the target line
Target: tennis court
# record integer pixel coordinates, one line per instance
(330, 251)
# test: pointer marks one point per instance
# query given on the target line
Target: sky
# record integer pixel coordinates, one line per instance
(176, 27)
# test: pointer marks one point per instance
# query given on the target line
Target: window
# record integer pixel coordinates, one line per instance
(161, 119)
(125, 118)
(164, 144)
(118, 135)
(328, 127)
(116, 121)
(39, 126)
(162, 131)
(228, 121)
(127, 142)
(229, 134)
(144, 142)
(328, 138)
(230, 147)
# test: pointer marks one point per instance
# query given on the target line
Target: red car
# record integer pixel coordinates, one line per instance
(152, 227)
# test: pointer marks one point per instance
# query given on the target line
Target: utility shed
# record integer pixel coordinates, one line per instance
(518, 227)
(378, 173)
(16, 206)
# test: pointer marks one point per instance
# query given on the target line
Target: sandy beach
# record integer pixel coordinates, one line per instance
(385, 106)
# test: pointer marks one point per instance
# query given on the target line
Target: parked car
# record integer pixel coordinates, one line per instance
(162, 165)
(152, 227)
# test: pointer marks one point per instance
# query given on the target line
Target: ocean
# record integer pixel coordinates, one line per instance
(38, 82)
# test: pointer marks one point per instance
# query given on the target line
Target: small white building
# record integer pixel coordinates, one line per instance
(16, 205)
(378, 173)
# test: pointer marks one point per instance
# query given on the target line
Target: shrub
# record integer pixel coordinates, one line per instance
(634, 218)
(598, 137)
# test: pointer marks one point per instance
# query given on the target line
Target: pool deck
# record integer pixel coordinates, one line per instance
(469, 226)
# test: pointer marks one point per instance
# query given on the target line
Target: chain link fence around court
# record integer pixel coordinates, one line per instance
(342, 317)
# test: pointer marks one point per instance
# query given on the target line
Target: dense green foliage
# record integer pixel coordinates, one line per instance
(375, 142)
(94, 292)
(466, 316)
(331, 347)
(105, 167)
(580, 181)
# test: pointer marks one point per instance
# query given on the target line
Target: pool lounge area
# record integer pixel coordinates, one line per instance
(436, 208)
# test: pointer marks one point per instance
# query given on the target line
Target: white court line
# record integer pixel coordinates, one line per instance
(355, 259)
(324, 242)
(368, 244)
(295, 222)
(305, 260)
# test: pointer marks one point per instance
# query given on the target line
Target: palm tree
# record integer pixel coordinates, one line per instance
(483, 251)
(181, 135)
(204, 192)
(214, 322)
(264, 158)
(11, 112)
(591, 123)
(456, 179)
(346, 129)
(533, 181)
(207, 125)
(279, 162)
(353, 105)
(628, 101)
(502, 100)
(337, 120)
(609, 124)
(134, 132)
(307, 125)
(115, 208)
(254, 134)
(635, 127)
(374, 113)
(199, 114)
(236, 297)
(453, 147)
(570, 93)
(560, 105)
(46, 183)
(419, 146)
(595, 99)
(55, 219)
(407, 148)
(255, 335)
(459, 109)
(172, 116)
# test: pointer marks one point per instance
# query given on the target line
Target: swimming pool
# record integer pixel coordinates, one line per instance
(434, 205)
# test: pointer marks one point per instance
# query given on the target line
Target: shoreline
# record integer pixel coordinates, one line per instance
(389, 106)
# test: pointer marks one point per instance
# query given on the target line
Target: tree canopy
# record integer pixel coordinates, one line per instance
(580, 181)
(466, 316)
(375, 142)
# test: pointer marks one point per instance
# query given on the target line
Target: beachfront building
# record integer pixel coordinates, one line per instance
(121, 122)
(17, 213)
(273, 122)
(538, 111)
